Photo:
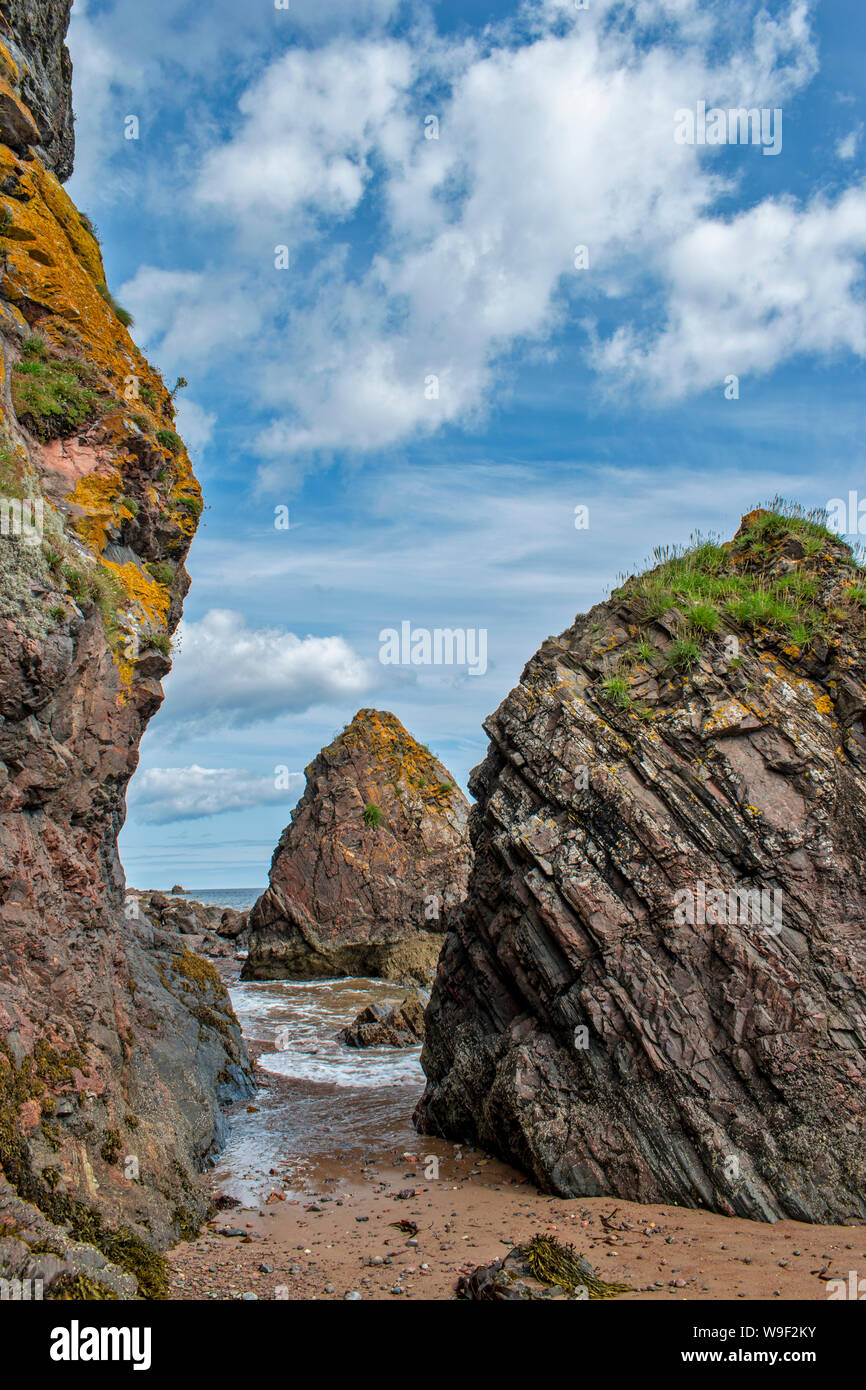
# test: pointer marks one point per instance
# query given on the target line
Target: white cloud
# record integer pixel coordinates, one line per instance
(746, 293)
(195, 424)
(309, 128)
(545, 145)
(193, 314)
(467, 245)
(229, 675)
(162, 794)
(847, 147)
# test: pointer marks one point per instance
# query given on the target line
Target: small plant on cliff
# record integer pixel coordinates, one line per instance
(53, 397)
(171, 440)
(89, 225)
(705, 617)
(11, 479)
(161, 571)
(685, 653)
(76, 581)
(99, 586)
(762, 607)
(615, 691)
(161, 642)
(112, 1147)
(123, 314)
(35, 348)
(191, 504)
(372, 815)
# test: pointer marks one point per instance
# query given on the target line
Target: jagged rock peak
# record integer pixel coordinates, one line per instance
(376, 852)
(655, 988)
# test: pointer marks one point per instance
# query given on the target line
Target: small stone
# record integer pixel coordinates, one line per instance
(351, 1297)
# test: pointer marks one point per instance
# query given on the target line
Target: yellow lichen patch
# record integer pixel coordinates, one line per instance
(402, 759)
(726, 716)
(64, 287)
(824, 705)
(96, 494)
(141, 588)
(8, 65)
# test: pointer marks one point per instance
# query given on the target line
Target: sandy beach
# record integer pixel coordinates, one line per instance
(340, 1238)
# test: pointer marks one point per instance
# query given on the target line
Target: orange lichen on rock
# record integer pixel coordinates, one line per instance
(151, 598)
(94, 497)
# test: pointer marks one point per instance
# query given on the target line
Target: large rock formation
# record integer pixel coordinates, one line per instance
(377, 849)
(117, 1045)
(655, 989)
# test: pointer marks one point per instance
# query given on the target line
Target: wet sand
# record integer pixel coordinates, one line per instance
(324, 1160)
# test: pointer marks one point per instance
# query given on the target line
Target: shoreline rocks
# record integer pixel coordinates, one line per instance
(402, 1025)
(214, 931)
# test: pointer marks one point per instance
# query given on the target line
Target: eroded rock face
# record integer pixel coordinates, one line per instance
(377, 850)
(117, 1044)
(605, 1013)
(34, 56)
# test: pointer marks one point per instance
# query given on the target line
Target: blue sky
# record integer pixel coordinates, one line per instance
(411, 258)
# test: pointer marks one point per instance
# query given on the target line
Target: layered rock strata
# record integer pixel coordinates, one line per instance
(655, 988)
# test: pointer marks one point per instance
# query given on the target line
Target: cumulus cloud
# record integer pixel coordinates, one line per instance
(543, 146)
(162, 794)
(555, 131)
(745, 293)
(231, 675)
(309, 128)
(193, 314)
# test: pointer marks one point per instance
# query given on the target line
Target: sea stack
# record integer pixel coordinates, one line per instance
(376, 852)
(655, 988)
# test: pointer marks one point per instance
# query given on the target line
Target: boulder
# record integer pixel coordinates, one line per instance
(402, 1025)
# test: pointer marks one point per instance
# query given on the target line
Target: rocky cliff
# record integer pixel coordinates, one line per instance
(376, 851)
(117, 1045)
(655, 989)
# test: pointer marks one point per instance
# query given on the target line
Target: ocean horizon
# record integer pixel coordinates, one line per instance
(238, 898)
